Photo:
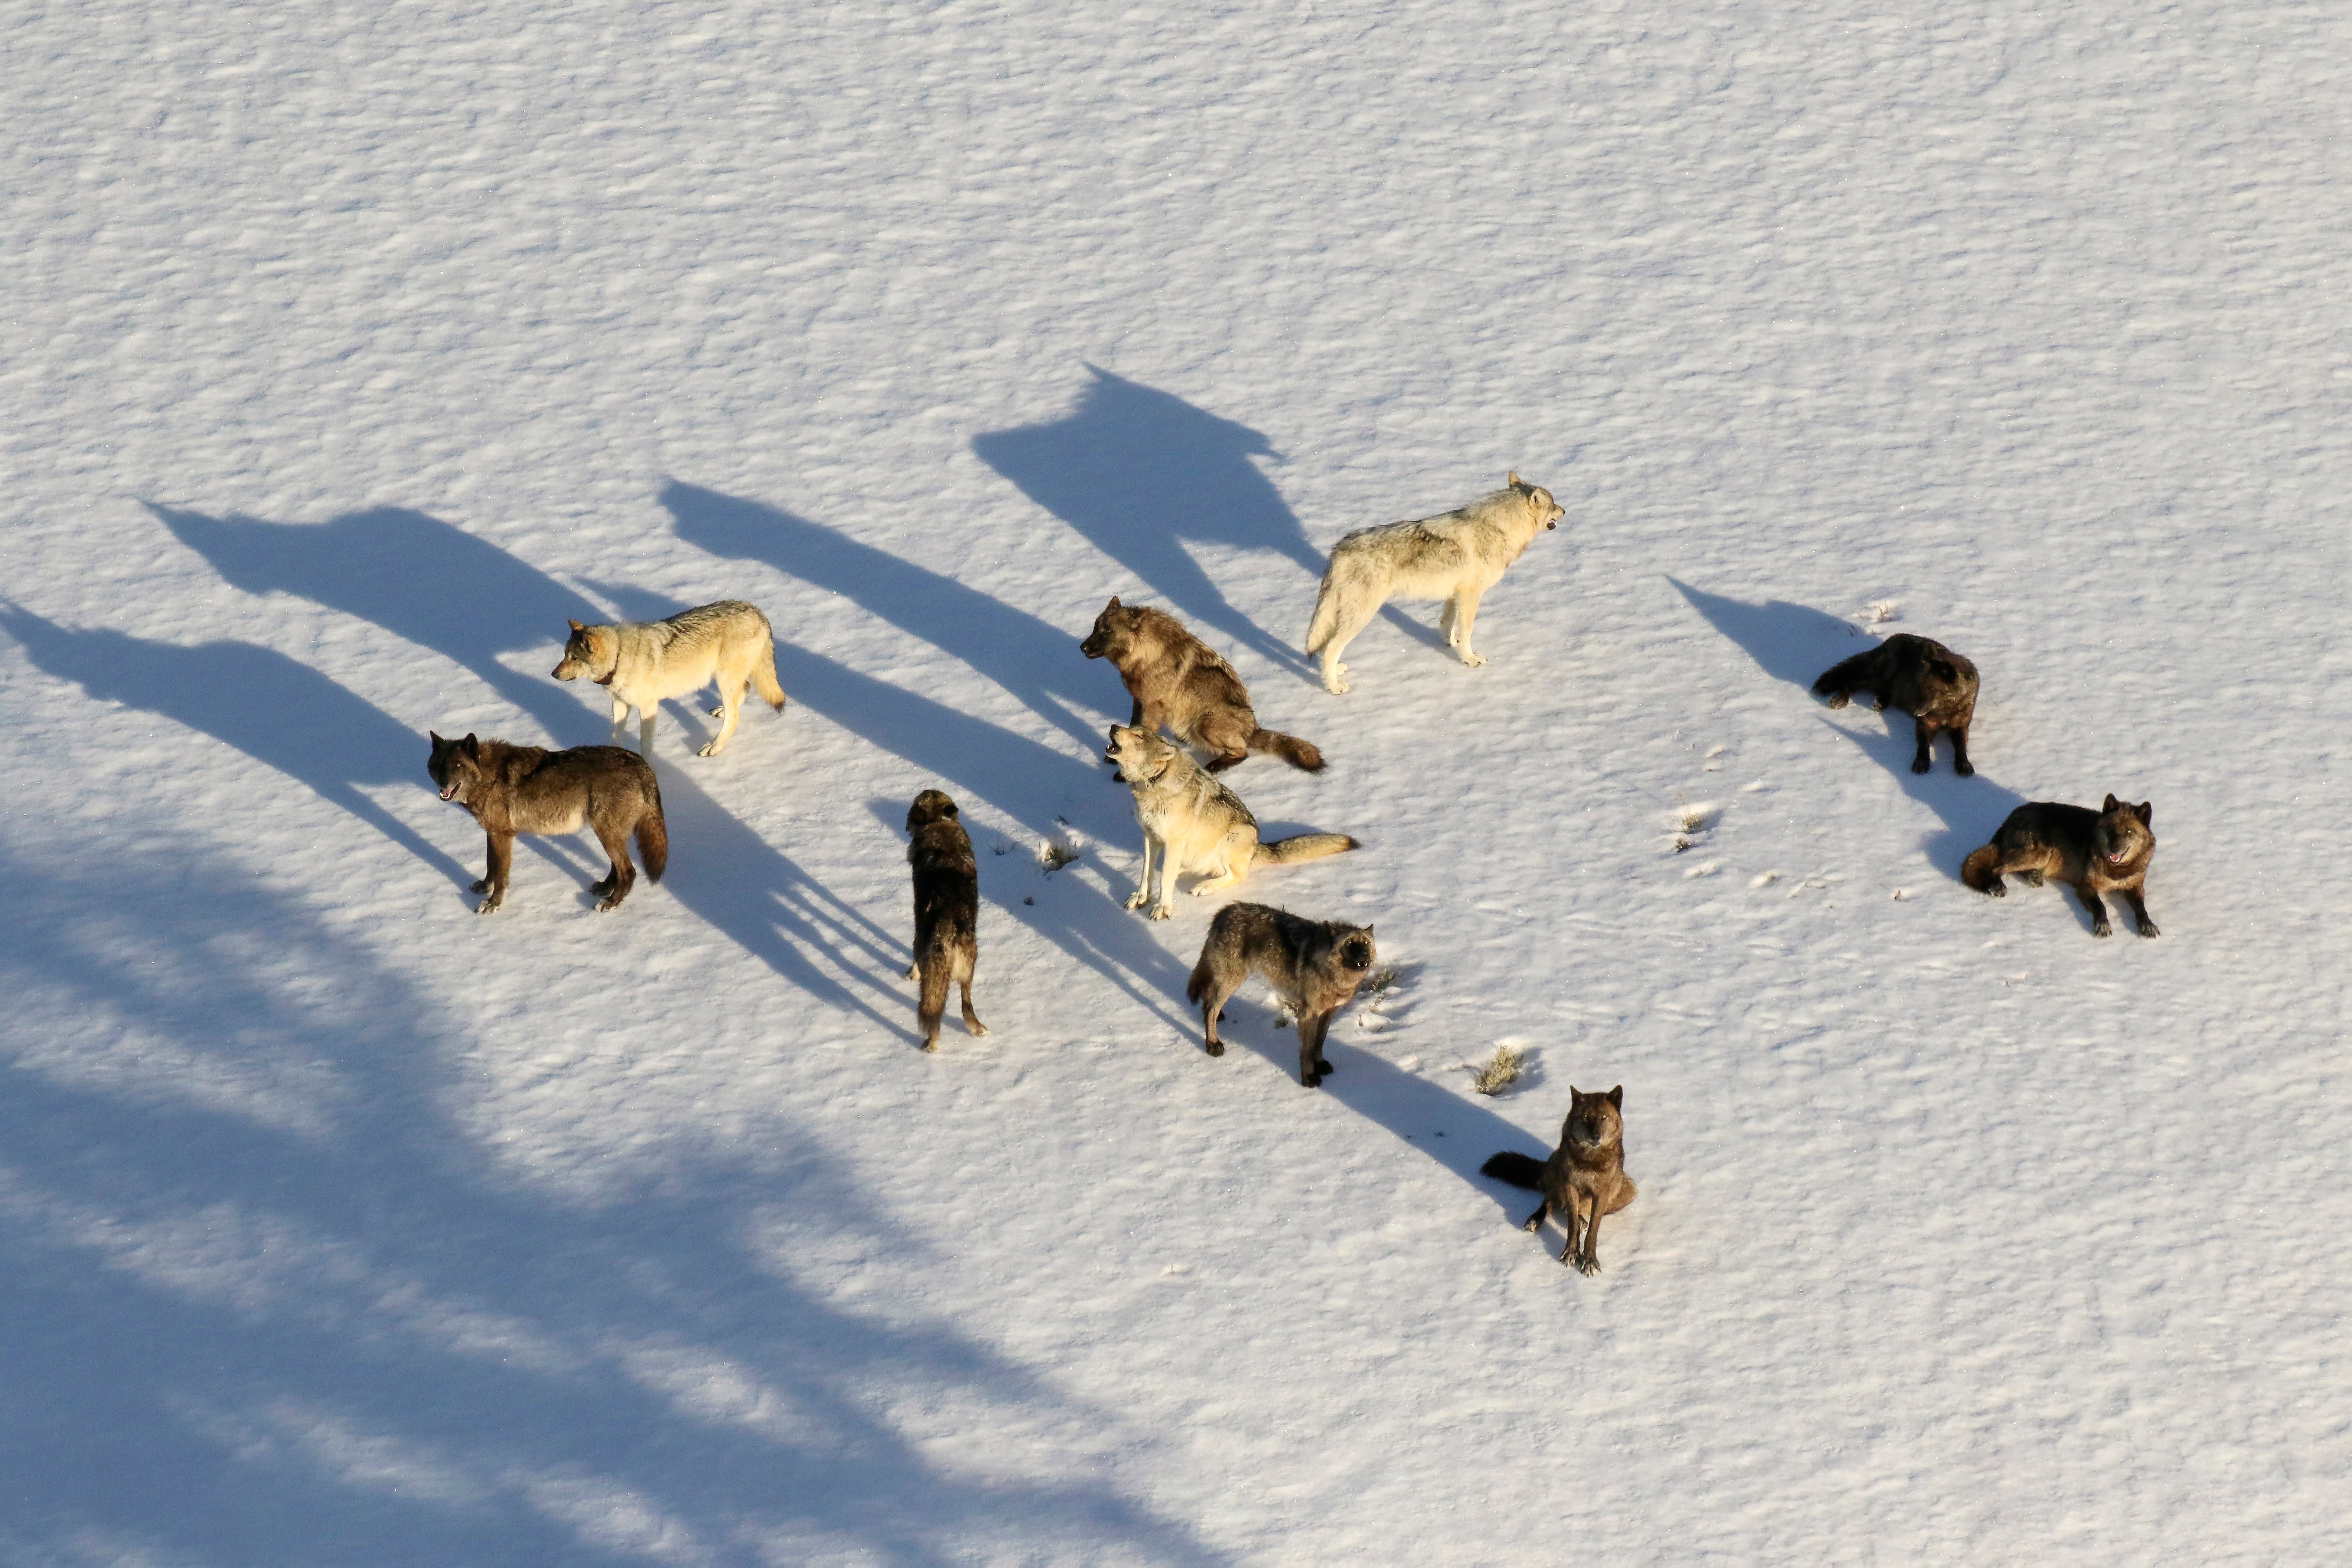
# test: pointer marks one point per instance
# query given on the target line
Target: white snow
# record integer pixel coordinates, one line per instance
(350, 348)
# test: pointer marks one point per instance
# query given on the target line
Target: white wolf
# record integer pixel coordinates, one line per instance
(1195, 823)
(643, 662)
(1455, 557)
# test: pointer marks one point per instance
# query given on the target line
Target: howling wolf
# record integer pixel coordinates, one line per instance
(1194, 823)
(1455, 557)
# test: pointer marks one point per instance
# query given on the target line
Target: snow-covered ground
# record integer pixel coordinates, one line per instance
(349, 349)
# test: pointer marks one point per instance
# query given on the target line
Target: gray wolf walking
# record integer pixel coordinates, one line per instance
(1180, 681)
(1585, 1177)
(1195, 823)
(1315, 966)
(947, 912)
(644, 662)
(1455, 556)
(1917, 676)
(530, 789)
(2093, 852)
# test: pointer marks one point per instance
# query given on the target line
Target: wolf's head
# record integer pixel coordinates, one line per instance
(1139, 755)
(1539, 503)
(1355, 950)
(455, 765)
(1113, 628)
(1593, 1119)
(931, 805)
(591, 651)
(2121, 837)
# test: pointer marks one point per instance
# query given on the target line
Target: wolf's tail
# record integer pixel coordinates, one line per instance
(763, 678)
(1519, 1170)
(1299, 753)
(1978, 871)
(1307, 847)
(653, 839)
(1841, 676)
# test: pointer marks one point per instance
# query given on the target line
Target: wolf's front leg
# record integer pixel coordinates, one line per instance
(2097, 906)
(620, 720)
(502, 867)
(1925, 734)
(1465, 605)
(1590, 1262)
(645, 717)
(2145, 926)
(1142, 894)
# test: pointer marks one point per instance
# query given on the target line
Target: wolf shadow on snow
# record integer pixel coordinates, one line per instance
(1139, 472)
(1796, 644)
(359, 1336)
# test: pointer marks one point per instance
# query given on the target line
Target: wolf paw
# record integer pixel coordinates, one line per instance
(606, 906)
(1311, 1080)
(2030, 878)
(1921, 763)
(1338, 687)
(711, 750)
(977, 1031)
(1535, 1225)
(1964, 767)
(2103, 929)
(1134, 901)
(488, 907)
(1162, 909)
(1839, 699)
(1216, 1047)
(2147, 928)
(914, 972)
(481, 887)
(717, 713)
(1474, 660)
(1588, 1265)
(1878, 705)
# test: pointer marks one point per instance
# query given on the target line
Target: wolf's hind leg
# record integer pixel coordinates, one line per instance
(1534, 1222)
(1312, 1067)
(971, 1023)
(1351, 620)
(614, 887)
(1960, 763)
(730, 709)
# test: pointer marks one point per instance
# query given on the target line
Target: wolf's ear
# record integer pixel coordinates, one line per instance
(1512, 481)
(2111, 803)
(2146, 812)
(1617, 1097)
(473, 747)
(1114, 603)
(432, 737)
(573, 624)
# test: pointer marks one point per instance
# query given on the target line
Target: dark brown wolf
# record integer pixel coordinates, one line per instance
(2093, 852)
(1315, 966)
(1585, 1177)
(530, 789)
(947, 912)
(1917, 676)
(1180, 681)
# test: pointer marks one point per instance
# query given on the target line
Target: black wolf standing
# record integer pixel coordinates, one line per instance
(947, 912)
(530, 789)
(1917, 676)
(1313, 965)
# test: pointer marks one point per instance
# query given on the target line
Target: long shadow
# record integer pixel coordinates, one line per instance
(226, 1342)
(1138, 471)
(414, 576)
(1795, 643)
(280, 713)
(1035, 661)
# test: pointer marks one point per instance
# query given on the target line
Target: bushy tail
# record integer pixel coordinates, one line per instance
(1519, 1170)
(1307, 847)
(1841, 676)
(1299, 753)
(1327, 611)
(1978, 871)
(763, 678)
(653, 839)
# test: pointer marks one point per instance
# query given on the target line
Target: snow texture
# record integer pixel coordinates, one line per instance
(350, 348)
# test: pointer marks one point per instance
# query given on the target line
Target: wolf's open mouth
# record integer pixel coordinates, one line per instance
(448, 791)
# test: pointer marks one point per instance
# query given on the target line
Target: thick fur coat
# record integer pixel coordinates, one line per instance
(609, 789)
(1455, 556)
(1584, 1179)
(947, 912)
(1315, 966)
(1193, 823)
(1181, 684)
(645, 663)
(2093, 852)
(1917, 676)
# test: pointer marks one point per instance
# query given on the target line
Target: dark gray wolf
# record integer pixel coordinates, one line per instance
(1194, 823)
(1315, 966)
(530, 789)
(1917, 676)
(1455, 556)
(947, 912)
(642, 663)
(2093, 852)
(1181, 683)
(1585, 1177)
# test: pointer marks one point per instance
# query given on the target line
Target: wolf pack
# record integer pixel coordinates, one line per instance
(1187, 697)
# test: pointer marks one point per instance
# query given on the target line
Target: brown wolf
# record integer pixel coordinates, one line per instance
(947, 912)
(1917, 676)
(642, 663)
(1180, 681)
(530, 789)
(1193, 823)
(2093, 852)
(1313, 965)
(1585, 1177)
